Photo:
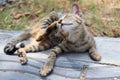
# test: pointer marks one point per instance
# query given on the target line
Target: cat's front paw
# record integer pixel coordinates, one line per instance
(95, 56)
(22, 55)
(46, 70)
(10, 49)
(23, 60)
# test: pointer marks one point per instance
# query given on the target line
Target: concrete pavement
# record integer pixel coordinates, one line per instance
(70, 66)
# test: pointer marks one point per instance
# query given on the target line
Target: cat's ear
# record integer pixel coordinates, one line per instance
(76, 9)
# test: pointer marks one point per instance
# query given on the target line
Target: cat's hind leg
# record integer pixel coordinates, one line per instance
(34, 46)
(10, 47)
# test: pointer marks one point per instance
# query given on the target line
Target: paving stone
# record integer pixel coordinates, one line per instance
(68, 66)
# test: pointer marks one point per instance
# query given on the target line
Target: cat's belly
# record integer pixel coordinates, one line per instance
(80, 47)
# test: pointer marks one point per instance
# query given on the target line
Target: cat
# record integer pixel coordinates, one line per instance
(66, 34)
(75, 38)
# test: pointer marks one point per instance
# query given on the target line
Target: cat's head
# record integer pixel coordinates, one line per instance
(66, 24)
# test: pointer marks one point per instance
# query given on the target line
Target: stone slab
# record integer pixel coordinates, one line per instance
(68, 66)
